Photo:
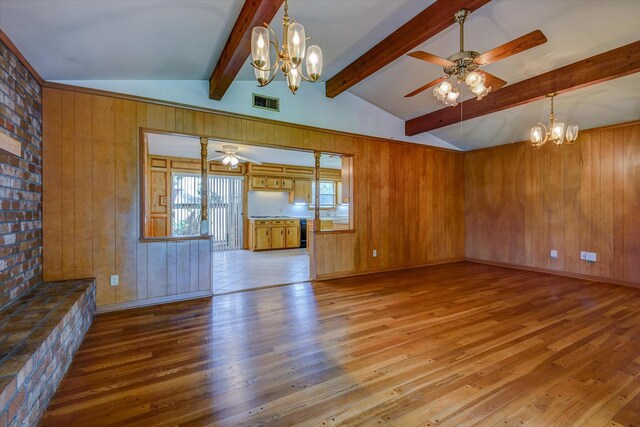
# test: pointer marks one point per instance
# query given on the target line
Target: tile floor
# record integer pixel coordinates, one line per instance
(239, 270)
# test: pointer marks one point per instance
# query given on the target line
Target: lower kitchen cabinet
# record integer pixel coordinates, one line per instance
(274, 234)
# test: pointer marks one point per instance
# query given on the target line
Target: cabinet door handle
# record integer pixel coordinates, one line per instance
(282, 232)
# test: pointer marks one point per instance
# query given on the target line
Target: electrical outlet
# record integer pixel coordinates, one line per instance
(114, 280)
(554, 254)
(375, 253)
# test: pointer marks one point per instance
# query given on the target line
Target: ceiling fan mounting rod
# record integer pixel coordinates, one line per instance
(461, 16)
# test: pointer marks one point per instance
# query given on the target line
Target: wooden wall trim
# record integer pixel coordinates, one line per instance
(152, 301)
(343, 274)
(556, 272)
(115, 95)
(13, 48)
(512, 144)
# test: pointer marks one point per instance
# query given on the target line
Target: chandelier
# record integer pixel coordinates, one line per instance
(555, 133)
(289, 57)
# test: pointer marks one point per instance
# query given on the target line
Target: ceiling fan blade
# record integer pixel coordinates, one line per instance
(431, 58)
(246, 159)
(425, 87)
(493, 81)
(211, 159)
(533, 39)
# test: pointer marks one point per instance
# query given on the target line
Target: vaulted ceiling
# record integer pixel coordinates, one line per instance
(143, 39)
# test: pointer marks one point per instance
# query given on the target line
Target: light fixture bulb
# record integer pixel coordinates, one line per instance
(572, 133)
(226, 160)
(260, 42)
(475, 79)
(536, 134)
(481, 91)
(453, 95)
(557, 131)
(234, 161)
(314, 62)
(444, 88)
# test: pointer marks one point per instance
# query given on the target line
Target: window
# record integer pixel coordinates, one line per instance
(327, 194)
(185, 212)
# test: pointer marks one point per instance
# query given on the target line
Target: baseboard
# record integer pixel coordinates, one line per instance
(152, 301)
(353, 273)
(556, 272)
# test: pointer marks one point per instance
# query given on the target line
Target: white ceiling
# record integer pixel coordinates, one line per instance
(172, 39)
(189, 147)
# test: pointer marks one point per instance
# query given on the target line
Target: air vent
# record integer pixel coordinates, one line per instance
(266, 102)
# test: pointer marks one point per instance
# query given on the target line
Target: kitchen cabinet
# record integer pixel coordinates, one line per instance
(301, 191)
(278, 240)
(293, 237)
(273, 183)
(258, 182)
(261, 238)
(286, 184)
(268, 234)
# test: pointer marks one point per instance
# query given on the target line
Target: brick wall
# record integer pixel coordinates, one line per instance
(20, 179)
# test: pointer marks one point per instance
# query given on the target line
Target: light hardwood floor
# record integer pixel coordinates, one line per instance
(456, 344)
(239, 270)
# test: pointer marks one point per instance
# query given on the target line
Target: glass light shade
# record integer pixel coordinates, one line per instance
(314, 62)
(234, 161)
(260, 46)
(297, 43)
(293, 80)
(572, 133)
(442, 90)
(263, 75)
(475, 79)
(557, 131)
(481, 91)
(451, 98)
(226, 160)
(536, 134)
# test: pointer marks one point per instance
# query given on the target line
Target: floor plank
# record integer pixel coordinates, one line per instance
(456, 344)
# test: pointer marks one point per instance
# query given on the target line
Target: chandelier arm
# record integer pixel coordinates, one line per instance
(308, 79)
(265, 69)
(268, 81)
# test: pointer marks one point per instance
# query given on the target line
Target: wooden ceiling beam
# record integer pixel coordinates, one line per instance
(238, 46)
(419, 29)
(609, 65)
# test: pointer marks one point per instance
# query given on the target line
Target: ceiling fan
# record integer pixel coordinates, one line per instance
(462, 66)
(230, 157)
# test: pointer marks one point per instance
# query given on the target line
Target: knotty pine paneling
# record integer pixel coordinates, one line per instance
(520, 203)
(408, 198)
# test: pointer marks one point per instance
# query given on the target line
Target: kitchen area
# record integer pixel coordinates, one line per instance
(260, 204)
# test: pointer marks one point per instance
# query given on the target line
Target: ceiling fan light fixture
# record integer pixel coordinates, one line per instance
(481, 91)
(234, 161)
(226, 160)
(442, 90)
(475, 79)
(452, 97)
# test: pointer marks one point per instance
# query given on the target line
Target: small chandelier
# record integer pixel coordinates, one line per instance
(289, 57)
(555, 133)
(448, 92)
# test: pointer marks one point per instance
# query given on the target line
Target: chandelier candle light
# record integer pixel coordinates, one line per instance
(556, 134)
(289, 57)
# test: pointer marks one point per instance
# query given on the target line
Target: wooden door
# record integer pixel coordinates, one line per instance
(273, 183)
(261, 238)
(293, 240)
(258, 182)
(278, 240)
(286, 184)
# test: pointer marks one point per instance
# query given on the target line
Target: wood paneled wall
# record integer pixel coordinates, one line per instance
(520, 203)
(408, 198)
